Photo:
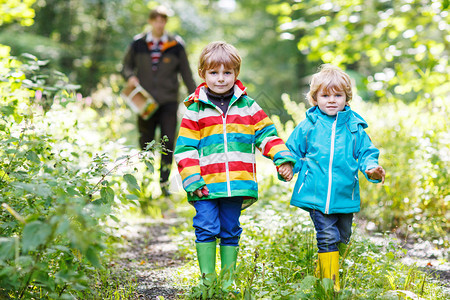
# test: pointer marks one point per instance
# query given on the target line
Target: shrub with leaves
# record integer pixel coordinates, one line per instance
(58, 188)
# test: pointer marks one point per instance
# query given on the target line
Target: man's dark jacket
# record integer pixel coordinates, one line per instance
(163, 83)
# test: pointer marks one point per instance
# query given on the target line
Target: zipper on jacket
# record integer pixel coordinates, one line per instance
(330, 166)
(354, 188)
(306, 173)
(225, 144)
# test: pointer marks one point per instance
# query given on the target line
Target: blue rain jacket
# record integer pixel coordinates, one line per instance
(329, 151)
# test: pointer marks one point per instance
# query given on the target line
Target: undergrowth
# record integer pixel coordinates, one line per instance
(278, 256)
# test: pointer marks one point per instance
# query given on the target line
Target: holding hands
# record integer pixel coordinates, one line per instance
(376, 173)
(285, 170)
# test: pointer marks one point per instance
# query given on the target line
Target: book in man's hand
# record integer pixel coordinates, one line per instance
(140, 101)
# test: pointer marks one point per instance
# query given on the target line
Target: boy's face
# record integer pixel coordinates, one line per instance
(220, 79)
(332, 101)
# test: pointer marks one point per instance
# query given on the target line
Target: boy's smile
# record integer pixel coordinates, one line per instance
(331, 101)
(220, 79)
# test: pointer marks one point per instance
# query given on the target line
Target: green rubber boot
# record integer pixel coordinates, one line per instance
(228, 257)
(206, 255)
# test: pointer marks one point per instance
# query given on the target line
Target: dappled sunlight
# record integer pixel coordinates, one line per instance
(82, 211)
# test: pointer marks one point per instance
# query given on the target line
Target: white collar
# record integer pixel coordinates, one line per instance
(149, 37)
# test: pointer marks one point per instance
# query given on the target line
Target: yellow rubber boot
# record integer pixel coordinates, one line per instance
(329, 267)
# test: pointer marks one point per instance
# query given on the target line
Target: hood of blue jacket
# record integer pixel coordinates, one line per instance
(346, 116)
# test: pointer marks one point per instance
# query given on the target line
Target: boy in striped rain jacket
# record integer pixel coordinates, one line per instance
(215, 154)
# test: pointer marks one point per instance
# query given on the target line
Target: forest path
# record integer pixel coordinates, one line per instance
(149, 254)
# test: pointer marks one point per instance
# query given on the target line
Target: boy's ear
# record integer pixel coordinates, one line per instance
(200, 73)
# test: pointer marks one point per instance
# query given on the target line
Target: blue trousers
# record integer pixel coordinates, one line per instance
(218, 218)
(331, 229)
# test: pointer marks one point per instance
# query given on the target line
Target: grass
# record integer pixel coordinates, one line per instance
(278, 255)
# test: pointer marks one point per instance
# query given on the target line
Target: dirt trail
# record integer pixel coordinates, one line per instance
(149, 254)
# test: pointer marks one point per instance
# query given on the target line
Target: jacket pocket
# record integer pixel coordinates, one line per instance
(355, 184)
(304, 179)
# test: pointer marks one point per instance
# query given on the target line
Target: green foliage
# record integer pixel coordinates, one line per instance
(58, 193)
(43, 47)
(278, 254)
(16, 11)
(399, 49)
(414, 141)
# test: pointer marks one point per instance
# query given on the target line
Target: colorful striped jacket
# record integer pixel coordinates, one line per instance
(218, 150)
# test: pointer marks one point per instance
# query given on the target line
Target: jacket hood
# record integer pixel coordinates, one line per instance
(200, 93)
(346, 116)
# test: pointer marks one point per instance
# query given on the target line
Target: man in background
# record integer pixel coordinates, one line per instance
(155, 60)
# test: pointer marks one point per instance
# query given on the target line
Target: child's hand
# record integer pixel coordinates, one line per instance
(285, 170)
(376, 173)
(203, 191)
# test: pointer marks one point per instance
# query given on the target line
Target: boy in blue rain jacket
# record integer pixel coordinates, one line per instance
(330, 146)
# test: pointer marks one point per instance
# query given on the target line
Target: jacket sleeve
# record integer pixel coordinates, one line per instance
(267, 140)
(367, 154)
(185, 71)
(128, 63)
(186, 150)
(296, 143)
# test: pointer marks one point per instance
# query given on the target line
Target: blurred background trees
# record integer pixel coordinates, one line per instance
(396, 51)
(60, 110)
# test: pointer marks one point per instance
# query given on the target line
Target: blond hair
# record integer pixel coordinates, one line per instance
(331, 79)
(216, 54)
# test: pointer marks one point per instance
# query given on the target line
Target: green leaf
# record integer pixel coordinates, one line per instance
(35, 234)
(39, 189)
(132, 197)
(132, 182)
(107, 194)
(150, 166)
(72, 191)
(91, 255)
(114, 218)
(308, 282)
(7, 110)
(32, 156)
(6, 248)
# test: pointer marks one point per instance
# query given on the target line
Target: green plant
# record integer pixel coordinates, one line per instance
(278, 256)
(59, 190)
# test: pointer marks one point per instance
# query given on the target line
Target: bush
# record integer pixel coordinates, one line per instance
(58, 188)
